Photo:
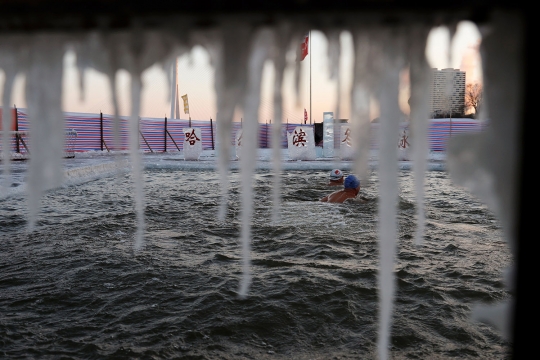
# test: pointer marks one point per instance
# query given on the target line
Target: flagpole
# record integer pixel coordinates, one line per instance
(309, 43)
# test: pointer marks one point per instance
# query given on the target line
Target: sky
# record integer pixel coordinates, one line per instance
(196, 78)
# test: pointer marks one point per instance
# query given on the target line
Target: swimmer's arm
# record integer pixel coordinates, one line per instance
(324, 199)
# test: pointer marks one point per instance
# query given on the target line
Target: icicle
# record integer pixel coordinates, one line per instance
(248, 159)
(7, 119)
(82, 64)
(144, 49)
(420, 75)
(388, 188)
(487, 163)
(134, 51)
(280, 48)
(229, 56)
(360, 96)
(102, 52)
(44, 99)
(334, 52)
(169, 65)
(8, 63)
(117, 142)
(135, 157)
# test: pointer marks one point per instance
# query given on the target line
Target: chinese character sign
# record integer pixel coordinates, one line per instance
(403, 146)
(301, 143)
(404, 141)
(192, 143)
(299, 137)
(346, 149)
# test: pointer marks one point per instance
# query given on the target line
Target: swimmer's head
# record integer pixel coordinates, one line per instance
(336, 174)
(351, 182)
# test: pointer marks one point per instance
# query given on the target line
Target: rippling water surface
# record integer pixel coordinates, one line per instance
(75, 288)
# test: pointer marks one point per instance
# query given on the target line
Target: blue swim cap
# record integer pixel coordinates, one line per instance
(351, 182)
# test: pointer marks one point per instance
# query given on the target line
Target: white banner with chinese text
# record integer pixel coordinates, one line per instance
(301, 144)
(192, 143)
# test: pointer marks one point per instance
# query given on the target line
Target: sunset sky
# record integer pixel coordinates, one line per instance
(196, 78)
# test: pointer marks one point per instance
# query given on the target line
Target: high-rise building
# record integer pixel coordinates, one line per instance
(447, 91)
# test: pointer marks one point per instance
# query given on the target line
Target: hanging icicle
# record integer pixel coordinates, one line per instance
(420, 75)
(230, 56)
(136, 164)
(280, 46)
(7, 119)
(392, 61)
(361, 90)
(334, 55)
(11, 59)
(248, 159)
(44, 99)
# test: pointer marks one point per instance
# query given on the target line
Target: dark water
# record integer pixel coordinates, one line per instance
(74, 288)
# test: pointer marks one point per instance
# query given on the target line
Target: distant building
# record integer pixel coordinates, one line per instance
(447, 91)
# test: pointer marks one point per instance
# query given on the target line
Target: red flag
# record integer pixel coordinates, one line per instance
(305, 116)
(304, 48)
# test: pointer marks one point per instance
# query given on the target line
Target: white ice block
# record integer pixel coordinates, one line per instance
(328, 134)
(192, 143)
(301, 144)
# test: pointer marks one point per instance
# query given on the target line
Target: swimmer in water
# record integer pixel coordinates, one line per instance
(351, 189)
(336, 178)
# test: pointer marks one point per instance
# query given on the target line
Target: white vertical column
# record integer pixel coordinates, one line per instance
(388, 185)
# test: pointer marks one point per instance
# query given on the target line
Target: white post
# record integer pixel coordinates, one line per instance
(174, 81)
(328, 134)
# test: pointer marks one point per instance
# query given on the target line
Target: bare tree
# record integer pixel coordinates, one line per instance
(473, 97)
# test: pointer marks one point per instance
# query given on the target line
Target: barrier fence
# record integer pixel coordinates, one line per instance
(94, 132)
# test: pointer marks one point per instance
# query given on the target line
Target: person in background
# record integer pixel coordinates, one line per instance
(351, 189)
(336, 178)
